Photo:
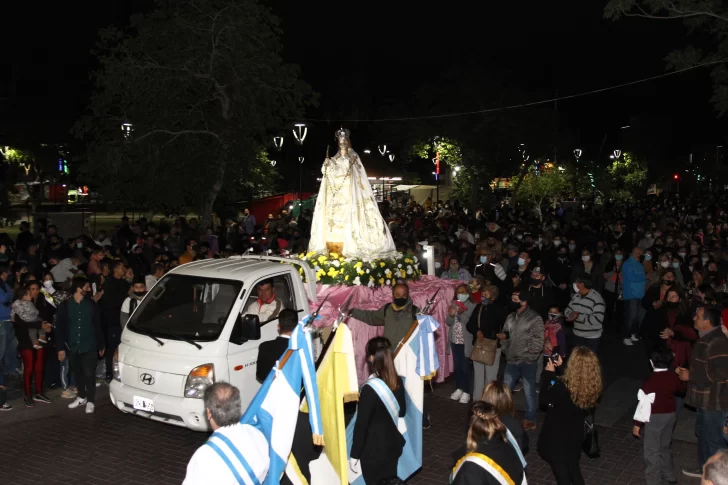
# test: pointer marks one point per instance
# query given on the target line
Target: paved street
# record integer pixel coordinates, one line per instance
(50, 444)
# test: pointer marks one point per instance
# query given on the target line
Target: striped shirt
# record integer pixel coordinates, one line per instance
(590, 308)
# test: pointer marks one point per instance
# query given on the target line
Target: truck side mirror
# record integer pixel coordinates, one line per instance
(246, 328)
(251, 327)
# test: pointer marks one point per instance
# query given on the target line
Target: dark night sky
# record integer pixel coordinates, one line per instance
(363, 57)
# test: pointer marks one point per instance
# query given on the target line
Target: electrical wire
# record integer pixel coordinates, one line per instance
(522, 105)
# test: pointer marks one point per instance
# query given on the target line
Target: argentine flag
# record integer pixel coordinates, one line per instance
(274, 409)
(416, 360)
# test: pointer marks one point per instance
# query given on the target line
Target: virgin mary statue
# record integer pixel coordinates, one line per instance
(346, 219)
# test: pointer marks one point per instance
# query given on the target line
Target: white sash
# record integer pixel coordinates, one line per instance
(488, 465)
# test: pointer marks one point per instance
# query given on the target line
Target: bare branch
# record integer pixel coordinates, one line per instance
(175, 134)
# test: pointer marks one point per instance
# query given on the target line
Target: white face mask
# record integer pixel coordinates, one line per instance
(437, 265)
(557, 243)
(576, 288)
(462, 298)
(48, 284)
(585, 258)
(521, 262)
(665, 264)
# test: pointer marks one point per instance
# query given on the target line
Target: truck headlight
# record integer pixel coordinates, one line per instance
(198, 380)
(117, 371)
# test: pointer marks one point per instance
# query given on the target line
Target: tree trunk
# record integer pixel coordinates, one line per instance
(213, 193)
(514, 197)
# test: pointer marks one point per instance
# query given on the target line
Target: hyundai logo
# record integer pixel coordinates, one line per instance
(147, 379)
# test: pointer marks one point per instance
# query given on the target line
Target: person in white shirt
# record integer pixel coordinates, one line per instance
(157, 273)
(235, 453)
(267, 306)
(139, 290)
(65, 269)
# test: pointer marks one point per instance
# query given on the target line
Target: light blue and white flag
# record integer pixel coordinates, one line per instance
(416, 361)
(301, 340)
(274, 409)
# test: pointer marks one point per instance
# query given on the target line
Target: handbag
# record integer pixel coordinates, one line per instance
(590, 445)
(484, 351)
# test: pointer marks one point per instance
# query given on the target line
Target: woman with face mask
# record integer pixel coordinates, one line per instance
(461, 342)
(486, 321)
(613, 290)
(594, 270)
(673, 328)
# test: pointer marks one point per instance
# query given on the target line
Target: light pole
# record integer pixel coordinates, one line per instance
(300, 130)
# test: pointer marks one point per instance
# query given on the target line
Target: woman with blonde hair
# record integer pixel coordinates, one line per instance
(491, 459)
(568, 400)
(498, 394)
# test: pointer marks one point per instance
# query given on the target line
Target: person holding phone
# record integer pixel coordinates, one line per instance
(461, 342)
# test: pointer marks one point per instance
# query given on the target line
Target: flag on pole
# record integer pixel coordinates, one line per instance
(336, 377)
(274, 409)
(415, 361)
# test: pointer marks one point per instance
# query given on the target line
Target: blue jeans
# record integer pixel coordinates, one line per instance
(527, 372)
(709, 430)
(633, 315)
(463, 375)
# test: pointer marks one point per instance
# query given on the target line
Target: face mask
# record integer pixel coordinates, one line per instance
(535, 281)
(665, 264)
(648, 257)
(572, 247)
(576, 288)
(48, 284)
(462, 298)
(555, 226)
(514, 305)
(675, 265)
(618, 257)
(667, 282)
(682, 255)
(585, 258)
(400, 302)
(437, 265)
(554, 315)
(705, 260)
(672, 304)
(484, 259)
(140, 293)
(519, 236)
(521, 262)
(600, 250)
(79, 245)
(557, 243)
(648, 235)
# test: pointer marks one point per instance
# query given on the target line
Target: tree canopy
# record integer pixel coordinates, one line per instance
(198, 85)
(700, 16)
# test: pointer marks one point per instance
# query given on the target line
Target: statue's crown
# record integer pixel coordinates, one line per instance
(342, 133)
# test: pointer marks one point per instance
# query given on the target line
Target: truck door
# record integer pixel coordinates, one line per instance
(242, 359)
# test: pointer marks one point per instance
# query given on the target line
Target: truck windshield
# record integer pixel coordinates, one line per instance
(186, 307)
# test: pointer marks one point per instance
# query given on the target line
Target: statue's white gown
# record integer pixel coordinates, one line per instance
(347, 212)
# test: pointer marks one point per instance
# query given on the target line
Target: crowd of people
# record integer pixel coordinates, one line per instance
(536, 292)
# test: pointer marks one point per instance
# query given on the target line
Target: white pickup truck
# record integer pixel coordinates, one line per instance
(191, 330)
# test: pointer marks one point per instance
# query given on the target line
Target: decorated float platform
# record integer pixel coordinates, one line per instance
(369, 283)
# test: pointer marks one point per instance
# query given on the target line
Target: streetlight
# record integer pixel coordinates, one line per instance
(273, 163)
(382, 149)
(278, 142)
(391, 157)
(127, 128)
(367, 151)
(577, 154)
(617, 153)
(300, 130)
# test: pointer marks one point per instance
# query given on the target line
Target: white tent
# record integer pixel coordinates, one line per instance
(419, 193)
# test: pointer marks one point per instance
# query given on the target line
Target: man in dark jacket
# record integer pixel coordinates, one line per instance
(110, 299)
(271, 351)
(78, 332)
(708, 385)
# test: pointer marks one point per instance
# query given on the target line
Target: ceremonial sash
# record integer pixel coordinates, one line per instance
(516, 447)
(232, 457)
(488, 465)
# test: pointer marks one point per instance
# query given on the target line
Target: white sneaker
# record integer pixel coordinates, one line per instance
(456, 395)
(90, 408)
(465, 398)
(635, 338)
(627, 342)
(77, 402)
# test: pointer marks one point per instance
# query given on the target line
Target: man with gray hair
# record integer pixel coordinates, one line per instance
(235, 453)
(715, 471)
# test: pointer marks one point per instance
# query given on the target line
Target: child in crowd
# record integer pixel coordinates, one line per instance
(554, 341)
(656, 411)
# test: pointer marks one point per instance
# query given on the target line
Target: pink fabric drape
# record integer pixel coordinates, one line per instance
(374, 298)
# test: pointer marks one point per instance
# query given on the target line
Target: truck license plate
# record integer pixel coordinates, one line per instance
(143, 404)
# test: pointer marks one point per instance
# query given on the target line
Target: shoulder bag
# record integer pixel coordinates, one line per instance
(483, 350)
(590, 445)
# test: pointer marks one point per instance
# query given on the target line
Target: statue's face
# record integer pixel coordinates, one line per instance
(343, 143)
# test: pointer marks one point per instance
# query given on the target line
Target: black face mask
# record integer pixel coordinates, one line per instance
(535, 281)
(514, 305)
(400, 302)
(672, 304)
(667, 282)
(140, 294)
